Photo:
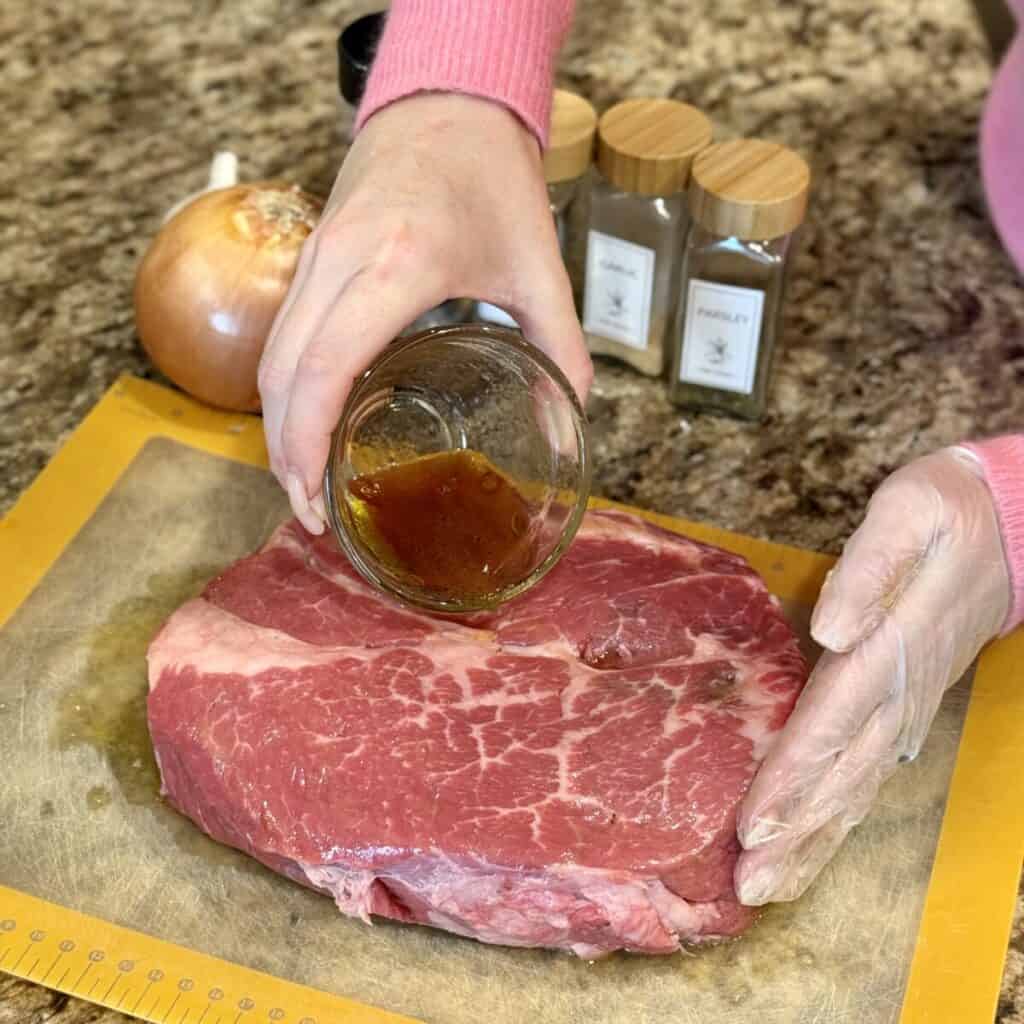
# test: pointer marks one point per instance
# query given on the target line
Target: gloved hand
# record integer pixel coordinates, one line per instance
(441, 196)
(922, 585)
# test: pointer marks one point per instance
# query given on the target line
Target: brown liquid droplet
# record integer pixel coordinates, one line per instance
(97, 798)
(366, 489)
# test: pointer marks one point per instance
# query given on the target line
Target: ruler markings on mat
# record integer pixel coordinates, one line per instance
(153, 979)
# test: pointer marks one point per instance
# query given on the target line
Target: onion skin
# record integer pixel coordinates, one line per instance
(211, 282)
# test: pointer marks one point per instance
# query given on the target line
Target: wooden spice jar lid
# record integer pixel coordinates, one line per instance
(648, 145)
(748, 188)
(571, 139)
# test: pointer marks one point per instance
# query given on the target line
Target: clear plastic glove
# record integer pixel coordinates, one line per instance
(441, 196)
(922, 585)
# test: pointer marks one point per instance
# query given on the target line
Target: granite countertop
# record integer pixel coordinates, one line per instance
(905, 320)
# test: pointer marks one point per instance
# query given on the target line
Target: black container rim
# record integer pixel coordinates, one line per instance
(357, 44)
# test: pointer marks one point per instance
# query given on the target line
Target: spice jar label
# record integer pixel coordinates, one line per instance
(720, 336)
(617, 293)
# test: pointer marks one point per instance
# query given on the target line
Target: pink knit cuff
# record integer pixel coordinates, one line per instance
(499, 51)
(1003, 461)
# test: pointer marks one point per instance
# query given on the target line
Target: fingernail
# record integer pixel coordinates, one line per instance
(756, 889)
(761, 831)
(317, 504)
(301, 507)
(823, 618)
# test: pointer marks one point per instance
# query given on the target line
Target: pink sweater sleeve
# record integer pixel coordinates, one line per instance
(503, 51)
(1003, 461)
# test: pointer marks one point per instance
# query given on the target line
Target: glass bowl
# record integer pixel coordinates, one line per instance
(459, 471)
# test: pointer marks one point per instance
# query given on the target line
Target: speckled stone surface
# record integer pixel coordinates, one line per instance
(904, 329)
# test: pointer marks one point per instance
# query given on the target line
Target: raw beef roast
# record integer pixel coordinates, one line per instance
(565, 772)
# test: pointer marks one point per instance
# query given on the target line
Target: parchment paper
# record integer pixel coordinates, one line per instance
(81, 822)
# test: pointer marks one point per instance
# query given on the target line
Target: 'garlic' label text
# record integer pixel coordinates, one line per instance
(720, 336)
(617, 293)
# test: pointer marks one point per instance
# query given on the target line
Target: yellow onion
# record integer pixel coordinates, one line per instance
(211, 282)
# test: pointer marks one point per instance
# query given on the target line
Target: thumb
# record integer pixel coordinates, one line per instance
(880, 560)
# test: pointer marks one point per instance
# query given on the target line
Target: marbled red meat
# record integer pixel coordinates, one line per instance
(564, 773)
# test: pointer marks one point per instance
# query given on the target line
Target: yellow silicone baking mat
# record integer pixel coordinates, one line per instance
(107, 894)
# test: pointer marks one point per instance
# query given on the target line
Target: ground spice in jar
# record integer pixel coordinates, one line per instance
(747, 197)
(637, 224)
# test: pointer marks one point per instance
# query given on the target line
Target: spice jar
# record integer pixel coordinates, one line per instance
(638, 217)
(566, 160)
(747, 198)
